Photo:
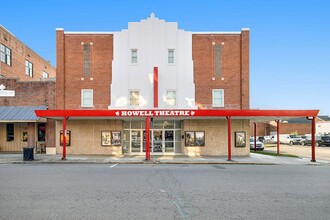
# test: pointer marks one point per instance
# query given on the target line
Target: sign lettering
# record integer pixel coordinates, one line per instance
(152, 113)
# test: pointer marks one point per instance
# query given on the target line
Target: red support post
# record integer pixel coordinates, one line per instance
(313, 140)
(255, 136)
(148, 138)
(229, 137)
(278, 136)
(64, 139)
(155, 87)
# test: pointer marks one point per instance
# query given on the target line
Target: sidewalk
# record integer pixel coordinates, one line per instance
(253, 159)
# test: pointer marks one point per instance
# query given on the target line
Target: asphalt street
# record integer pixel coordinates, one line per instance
(160, 191)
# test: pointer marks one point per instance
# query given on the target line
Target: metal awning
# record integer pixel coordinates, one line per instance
(248, 114)
(20, 113)
(131, 114)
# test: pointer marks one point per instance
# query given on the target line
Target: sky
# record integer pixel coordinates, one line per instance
(289, 39)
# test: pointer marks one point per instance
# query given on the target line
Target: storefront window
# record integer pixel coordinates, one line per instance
(177, 124)
(157, 125)
(168, 124)
(126, 124)
(136, 125)
(42, 132)
(10, 132)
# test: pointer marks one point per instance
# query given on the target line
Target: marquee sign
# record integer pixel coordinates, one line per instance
(152, 113)
(57, 114)
(6, 93)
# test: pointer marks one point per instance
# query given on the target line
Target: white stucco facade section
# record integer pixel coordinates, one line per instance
(152, 38)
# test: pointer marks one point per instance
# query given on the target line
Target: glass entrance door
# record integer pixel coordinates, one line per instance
(165, 137)
(157, 146)
(169, 141)
(136, 140)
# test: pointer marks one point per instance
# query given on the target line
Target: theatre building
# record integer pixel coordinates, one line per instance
(184, 87)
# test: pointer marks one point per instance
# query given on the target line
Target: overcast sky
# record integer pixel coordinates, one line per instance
(289, 39)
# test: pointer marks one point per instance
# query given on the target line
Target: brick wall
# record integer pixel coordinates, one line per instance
(216, 139)
(19, 53)
(289, 128)
(264, 129)
(29, 93)
(32, 93)
(234, 77)
(70, 78)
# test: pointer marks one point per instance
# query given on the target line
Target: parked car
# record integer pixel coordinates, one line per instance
(307, 141)
(269, 140)
(261, 139)
(325, 140)
(290, 139)
(259, 145)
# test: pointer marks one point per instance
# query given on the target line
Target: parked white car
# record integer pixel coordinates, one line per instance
(290, 139)
(259, 146)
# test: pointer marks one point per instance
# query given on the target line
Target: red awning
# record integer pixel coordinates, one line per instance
(254, 115)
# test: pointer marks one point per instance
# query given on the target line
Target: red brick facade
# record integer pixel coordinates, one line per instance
(265, 129)
(70, 78)
(19, 54)
(234, 77)
(29, 93)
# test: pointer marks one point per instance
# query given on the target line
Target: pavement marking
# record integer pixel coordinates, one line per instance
(114, 165)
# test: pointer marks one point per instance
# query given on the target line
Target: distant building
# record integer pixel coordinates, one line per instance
(300, 126)
(27, 83)
(323, 125)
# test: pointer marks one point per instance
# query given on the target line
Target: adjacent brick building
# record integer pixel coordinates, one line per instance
(19, 61)
(27, 82)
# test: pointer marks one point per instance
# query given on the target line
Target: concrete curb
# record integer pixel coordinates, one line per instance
(143, 162)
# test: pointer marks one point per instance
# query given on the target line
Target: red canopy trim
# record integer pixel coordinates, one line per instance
(176, 113)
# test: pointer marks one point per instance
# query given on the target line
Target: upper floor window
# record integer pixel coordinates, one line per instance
(171, 56)
(134, 98)
(134, 54)
(87, 98)
(5, 54)
(45, 75)
(171, 98)
(28, 68)
(217, 97)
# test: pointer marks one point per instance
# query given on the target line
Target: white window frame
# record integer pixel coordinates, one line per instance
(132, 98)
(134, 59)
(171, 59)
(169, 99)
(28, 68)
(5, 54)
(2, 53)
(214, 104)
(8, 56)
(83, 98)
(45, 75)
